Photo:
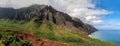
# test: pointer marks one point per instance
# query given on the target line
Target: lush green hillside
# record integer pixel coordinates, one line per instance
(46, 30)
(38, 24)
(43, 12)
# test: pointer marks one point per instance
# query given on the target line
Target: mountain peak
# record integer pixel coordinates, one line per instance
(44, 12)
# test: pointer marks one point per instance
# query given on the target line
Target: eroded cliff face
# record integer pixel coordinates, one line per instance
(41, 13)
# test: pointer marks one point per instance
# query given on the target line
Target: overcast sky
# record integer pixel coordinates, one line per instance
(86, 10)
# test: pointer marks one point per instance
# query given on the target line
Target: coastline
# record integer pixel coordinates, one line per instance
(91, 36)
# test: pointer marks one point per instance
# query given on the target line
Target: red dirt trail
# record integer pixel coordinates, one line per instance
(36, 42)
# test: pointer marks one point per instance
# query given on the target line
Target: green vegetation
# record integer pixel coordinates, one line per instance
(46, 30)
(8, 39)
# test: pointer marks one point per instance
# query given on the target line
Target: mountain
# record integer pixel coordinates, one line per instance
(42, 12)
(42, 25)
(7, 13)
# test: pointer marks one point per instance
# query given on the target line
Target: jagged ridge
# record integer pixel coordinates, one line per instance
(43, 12)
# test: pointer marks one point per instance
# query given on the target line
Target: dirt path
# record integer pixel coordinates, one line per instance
(32, 38)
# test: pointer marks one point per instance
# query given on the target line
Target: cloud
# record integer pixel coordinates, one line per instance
(109, 25)
(91, 16)
(85, 10)
(21, 3)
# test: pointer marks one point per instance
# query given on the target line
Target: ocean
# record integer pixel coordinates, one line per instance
(112, 36)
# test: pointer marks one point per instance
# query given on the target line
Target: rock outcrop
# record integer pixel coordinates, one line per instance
(42, 12)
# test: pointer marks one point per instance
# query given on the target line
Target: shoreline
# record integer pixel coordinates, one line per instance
(90, 36)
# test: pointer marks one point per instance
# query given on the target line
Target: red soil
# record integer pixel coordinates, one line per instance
(36, 42)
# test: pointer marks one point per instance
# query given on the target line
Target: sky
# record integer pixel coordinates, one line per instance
(111, 21)
(103, 14)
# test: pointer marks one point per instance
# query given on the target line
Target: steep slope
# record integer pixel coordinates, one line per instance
(25, 36)
(7, 13)
(41, 12)
(39, 22)
(48, 33)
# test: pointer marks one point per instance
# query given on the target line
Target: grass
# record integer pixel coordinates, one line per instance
(50, 31)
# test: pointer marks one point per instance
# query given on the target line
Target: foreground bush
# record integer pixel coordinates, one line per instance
(8, 39)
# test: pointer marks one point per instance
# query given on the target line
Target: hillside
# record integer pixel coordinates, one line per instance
(44, 22)
(41, 13)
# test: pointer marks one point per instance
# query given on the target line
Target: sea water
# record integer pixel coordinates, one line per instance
(108, 35)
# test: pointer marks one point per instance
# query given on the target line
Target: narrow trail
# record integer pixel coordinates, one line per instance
(33, 39)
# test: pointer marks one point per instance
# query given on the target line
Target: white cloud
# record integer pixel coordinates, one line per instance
(84, 9)
(21, 3)
(109, 25)
(112, 24)
(91, 16)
